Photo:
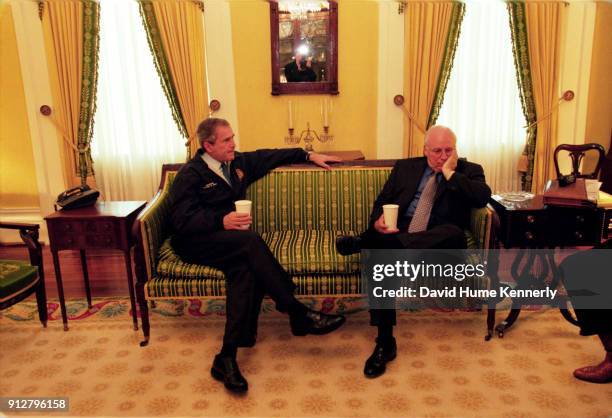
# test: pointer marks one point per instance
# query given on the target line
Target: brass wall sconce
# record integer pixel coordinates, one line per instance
(308, 136)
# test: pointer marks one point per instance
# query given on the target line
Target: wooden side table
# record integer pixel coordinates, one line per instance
(533, 225)
(106, 225)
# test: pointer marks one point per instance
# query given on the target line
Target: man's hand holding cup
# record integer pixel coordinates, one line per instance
(387, 223)
(241, 218)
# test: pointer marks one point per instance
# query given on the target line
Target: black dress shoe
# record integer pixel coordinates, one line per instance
(225, 369)
(347, 245)
(376, 364)
(314, 322)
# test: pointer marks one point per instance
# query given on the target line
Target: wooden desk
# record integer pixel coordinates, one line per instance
(531, 225)
(106, 225)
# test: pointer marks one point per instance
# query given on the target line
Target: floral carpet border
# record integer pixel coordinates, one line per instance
(104, 309)
(118, 309)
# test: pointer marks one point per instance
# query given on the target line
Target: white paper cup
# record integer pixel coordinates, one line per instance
(243, 206)
(390, 215)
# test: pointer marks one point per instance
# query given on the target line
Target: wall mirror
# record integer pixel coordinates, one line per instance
(304, 35)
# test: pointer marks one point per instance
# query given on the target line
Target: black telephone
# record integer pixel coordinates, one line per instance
(77, 197)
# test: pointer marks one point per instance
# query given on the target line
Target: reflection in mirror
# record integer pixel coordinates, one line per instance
(303, 29)
(304, 40)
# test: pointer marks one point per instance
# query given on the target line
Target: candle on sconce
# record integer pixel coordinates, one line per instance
(290, 116)
(325, 113)
(322, 112)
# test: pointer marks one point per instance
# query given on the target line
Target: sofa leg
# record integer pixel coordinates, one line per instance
(144, 317)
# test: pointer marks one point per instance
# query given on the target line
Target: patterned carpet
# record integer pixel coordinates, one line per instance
(443, 369)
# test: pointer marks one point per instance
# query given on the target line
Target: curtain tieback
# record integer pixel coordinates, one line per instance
(413, 119)
(568, 96)
(79, 149)
(188, 142)
(523, 163)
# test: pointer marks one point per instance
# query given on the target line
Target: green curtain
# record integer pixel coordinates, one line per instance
(520, 50)
(161, 63)
(447, 63)
(89, 85)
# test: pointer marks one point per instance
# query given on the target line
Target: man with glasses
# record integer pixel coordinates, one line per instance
(435, 194)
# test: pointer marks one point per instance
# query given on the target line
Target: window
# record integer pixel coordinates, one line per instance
(134, 133)
(482, 103)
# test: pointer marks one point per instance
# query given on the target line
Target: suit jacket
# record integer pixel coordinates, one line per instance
(454, 199)
(200, 198)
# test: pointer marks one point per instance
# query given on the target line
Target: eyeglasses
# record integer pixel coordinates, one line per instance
(438, 151)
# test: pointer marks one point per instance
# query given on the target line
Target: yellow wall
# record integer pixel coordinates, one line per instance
(599, 114)
(18, 186)
(263, 117)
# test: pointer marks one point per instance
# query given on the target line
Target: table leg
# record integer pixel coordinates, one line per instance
(493, 265)
(85, 277)
(567, 314)
(522, 280)
(507, 323)
(128, 267)
(558, 279)
(60, 288)
(490, 321)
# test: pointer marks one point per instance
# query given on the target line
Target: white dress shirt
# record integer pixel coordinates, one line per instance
(215, 166)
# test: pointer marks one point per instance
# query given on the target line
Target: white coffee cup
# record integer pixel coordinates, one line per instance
(390, 215)
(243, 206)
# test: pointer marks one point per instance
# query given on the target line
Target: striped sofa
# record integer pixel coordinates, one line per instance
(298, 210)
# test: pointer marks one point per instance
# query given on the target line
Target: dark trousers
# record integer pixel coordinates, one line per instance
(251, 271)
(590, 270)
(445, 236)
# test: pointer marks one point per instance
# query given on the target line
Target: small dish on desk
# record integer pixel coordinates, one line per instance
(516, 196)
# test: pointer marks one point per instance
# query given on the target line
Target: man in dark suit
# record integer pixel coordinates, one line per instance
(435, 194)
(207, 230)
(590, 271)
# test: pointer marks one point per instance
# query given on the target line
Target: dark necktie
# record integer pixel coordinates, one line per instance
(420, 219)
(226, 172)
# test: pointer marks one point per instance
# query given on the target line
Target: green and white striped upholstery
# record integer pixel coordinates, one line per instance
(341, 199)
(310, 251)
(298, 212)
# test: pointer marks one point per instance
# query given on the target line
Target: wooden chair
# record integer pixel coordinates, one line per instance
(19, 279)
(577, 153)
(606, 171)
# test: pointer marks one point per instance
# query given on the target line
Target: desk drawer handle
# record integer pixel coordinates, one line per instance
(530, 219)
(67, 227)
(107, 227)
(107, 240)
(580, 218)
(69, 240)
(529, 235)
(578, 235)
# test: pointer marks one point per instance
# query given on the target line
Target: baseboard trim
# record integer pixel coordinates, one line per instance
(25, 214)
